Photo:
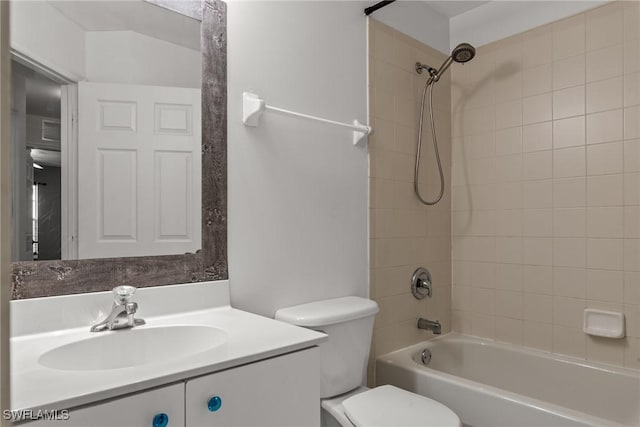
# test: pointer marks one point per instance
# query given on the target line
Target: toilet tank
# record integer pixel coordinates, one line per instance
(348, 322)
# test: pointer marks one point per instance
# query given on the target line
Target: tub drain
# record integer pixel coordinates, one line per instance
(426, 356)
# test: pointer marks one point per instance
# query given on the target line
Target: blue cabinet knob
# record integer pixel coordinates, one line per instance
(160, 420)
(214, 403)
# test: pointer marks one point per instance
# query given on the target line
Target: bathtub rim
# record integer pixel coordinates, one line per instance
(404, 359)
(574, 360)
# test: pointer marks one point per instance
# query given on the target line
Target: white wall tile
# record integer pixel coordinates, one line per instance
(537, 137)
(569, 162)
(562, 183)
(605, 158)
(569, 132)
(568, 102)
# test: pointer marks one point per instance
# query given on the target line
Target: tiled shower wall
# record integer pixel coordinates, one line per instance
(546, 185)
(404, 234)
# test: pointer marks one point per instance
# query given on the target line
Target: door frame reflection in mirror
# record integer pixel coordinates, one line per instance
(68, 148)
(31, 279)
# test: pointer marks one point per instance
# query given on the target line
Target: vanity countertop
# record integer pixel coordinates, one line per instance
(250, 338)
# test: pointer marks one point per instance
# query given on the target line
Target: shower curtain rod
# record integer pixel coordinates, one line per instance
(368, 11)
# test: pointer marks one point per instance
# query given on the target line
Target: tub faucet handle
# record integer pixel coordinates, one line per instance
(421, 283)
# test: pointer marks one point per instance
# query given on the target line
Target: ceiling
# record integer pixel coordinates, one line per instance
(452, 8)
(133, 15)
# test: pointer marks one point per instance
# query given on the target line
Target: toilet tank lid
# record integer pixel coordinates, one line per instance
(327, 312)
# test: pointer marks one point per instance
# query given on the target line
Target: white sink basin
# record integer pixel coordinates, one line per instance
(133, 347)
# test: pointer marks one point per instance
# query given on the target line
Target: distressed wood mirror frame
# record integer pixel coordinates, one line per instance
(31, 279)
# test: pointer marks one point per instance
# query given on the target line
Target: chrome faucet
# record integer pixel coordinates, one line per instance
(122, 312)
(430, 325)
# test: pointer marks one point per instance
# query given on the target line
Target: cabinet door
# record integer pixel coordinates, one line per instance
(137, 410)
(283, 391)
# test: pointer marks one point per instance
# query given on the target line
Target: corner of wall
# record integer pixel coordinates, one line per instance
(418, 21)
(405, 234)
(497, 20)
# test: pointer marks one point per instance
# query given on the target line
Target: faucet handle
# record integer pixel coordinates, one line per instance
(122, 294)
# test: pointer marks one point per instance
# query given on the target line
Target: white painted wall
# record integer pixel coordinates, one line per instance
(42, 33)
(416, 19)
(297, 189)
(34, 132)
(500, 19)
(132, 58)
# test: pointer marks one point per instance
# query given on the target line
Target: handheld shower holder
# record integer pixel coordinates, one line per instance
(420, 66)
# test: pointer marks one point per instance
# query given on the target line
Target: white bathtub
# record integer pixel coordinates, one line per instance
(490, 384)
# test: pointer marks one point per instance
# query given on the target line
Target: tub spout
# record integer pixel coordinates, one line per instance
(430, 325)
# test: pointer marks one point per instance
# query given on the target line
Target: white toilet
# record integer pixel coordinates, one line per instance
(345, 402)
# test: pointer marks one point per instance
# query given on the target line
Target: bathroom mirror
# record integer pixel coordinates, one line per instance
(119, 144)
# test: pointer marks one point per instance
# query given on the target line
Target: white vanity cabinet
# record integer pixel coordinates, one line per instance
(136, 410)
(260, 372)
(278, 392)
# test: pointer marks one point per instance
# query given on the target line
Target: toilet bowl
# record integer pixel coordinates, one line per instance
(343, 359)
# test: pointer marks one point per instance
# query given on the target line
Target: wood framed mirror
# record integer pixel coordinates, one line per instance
(32, 279)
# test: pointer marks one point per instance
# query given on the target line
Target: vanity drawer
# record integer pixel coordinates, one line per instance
(137, 410)
(283, 391)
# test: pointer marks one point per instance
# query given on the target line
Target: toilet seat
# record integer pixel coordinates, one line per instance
(391, 406)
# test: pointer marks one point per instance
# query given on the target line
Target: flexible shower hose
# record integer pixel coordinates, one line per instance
(416, 186)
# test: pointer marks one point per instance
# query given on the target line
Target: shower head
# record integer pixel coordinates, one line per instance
(462, 53)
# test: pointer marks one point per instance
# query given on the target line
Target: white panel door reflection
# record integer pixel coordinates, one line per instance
(139, 170)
